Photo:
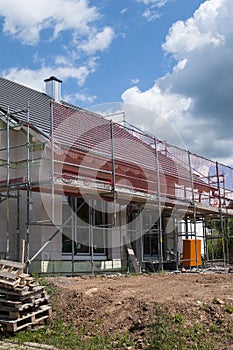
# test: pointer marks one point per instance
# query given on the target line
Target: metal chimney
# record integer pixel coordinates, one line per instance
(53, 88)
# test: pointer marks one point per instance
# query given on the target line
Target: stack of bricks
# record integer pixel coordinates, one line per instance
(24, 304)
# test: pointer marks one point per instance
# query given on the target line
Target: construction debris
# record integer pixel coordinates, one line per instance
(23, 302)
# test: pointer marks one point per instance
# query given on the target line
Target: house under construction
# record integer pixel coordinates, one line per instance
(80, 193)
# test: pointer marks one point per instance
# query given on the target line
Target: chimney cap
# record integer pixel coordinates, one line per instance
(53, 88)
(53, 78)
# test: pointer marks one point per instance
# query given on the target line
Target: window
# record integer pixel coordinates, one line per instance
(85, 231)
(151, 236)
(151, 244)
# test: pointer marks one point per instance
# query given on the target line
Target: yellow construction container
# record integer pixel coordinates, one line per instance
(191, 252)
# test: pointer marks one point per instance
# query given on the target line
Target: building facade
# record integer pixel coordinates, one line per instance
(82, 194)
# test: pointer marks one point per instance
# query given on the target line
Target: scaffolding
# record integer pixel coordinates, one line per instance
(182, 196)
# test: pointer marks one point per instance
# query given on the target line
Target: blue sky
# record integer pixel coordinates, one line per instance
(174, 57)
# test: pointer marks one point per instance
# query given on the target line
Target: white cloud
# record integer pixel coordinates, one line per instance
(164, 103)
(196, 97)
(198, 31)
(31, 78)
(157, 3)
(165, 121)
(35, 78)
(72, 24)
(151, 8)
(98, 41)
(135, 81)
(26, 22)
(81, 96)
(124, 10)
(151, 15)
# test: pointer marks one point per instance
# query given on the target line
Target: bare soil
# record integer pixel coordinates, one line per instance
(126, 304)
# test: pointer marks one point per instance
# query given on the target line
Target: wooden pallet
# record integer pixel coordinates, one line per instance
(12, 266)
(27, 321)
(23, 295)
(23, 302)
(12, 313)
(10, 273)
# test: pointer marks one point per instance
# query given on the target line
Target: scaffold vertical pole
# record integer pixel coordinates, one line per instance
(28, 219)
(121, 238)
(212, 244)
(194, 207)
(159, 207)
(204, 240)
(18, 228)
(52, 163)
(221, 230)
(176, 242)
(113, 173)
(141, 237)
(73, 228)
(91, 233)
(8, 184)
(227, 240)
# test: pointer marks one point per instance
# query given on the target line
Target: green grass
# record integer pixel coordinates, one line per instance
(164, 331)
(215, 300)
(169, 332)
(229, 308)
(64, 337)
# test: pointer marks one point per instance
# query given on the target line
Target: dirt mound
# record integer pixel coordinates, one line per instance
(138, 308)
